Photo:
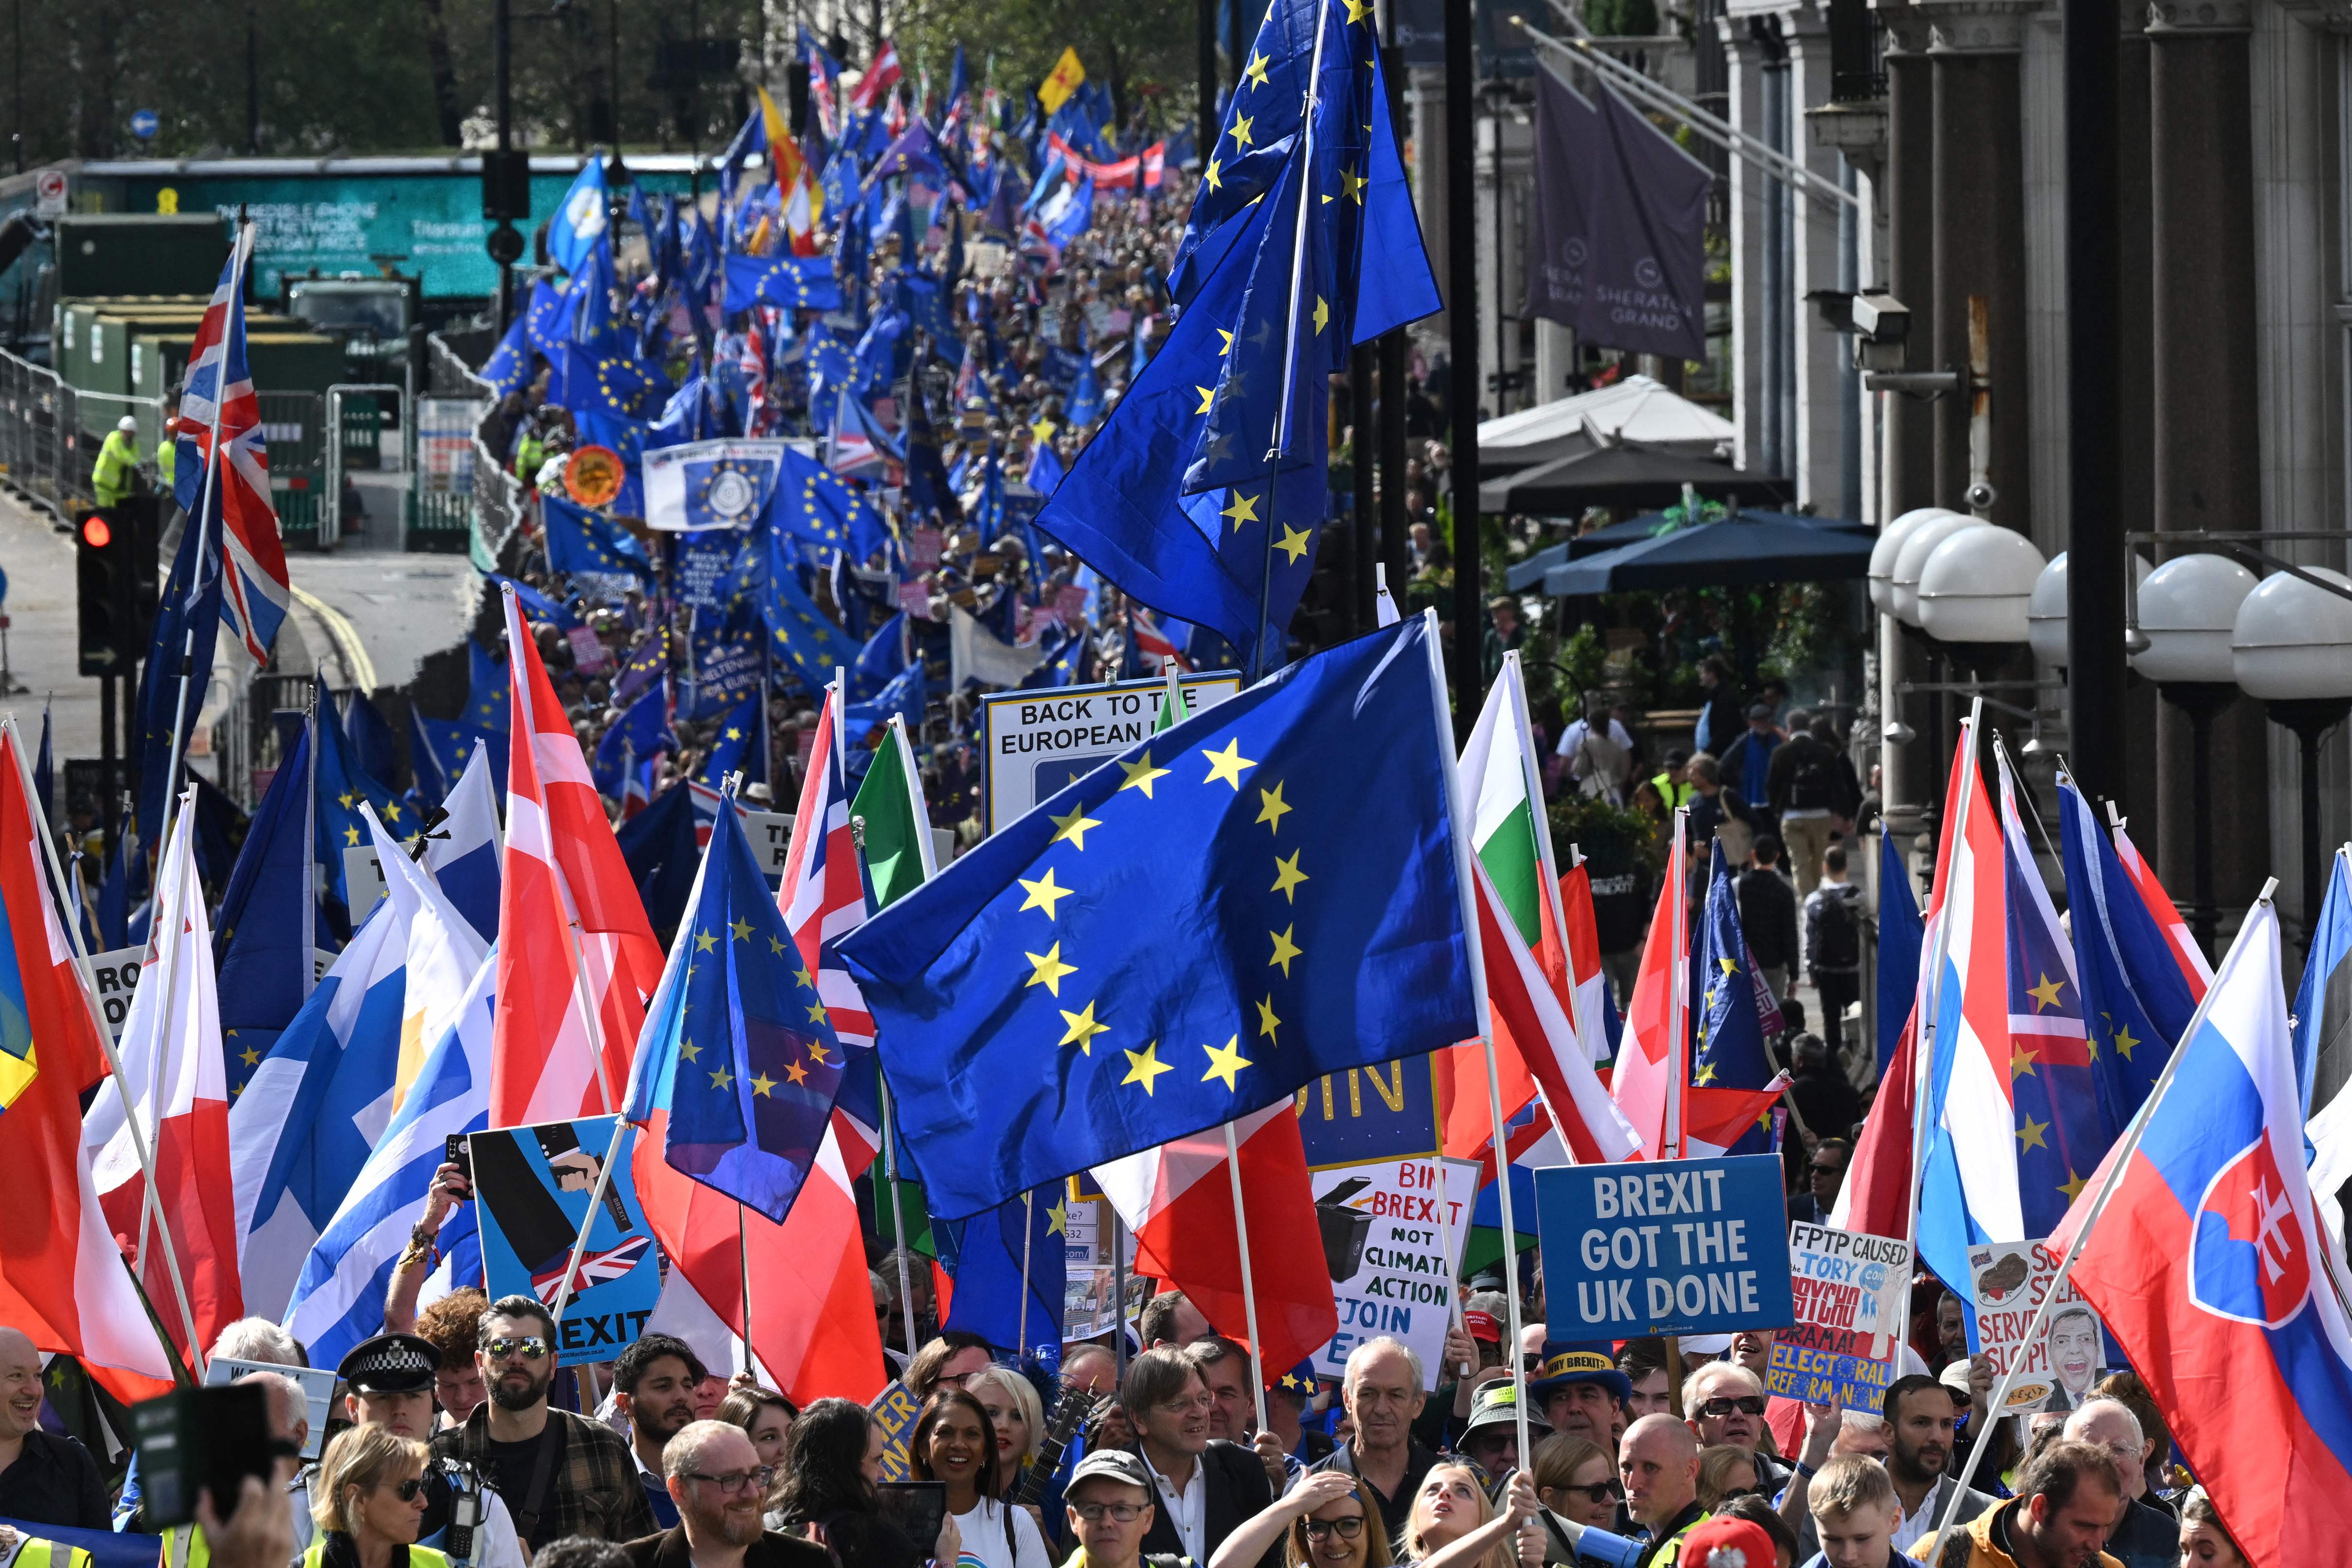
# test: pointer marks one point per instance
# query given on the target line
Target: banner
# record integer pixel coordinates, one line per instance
(895, 1410)
(1850, 1293)
(1038, 742)
(1674, 1247)
(531, 1189)
(1391, 1233)
(710, 484)
(2009, 1280)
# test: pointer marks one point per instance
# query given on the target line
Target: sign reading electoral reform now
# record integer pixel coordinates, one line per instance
(1678, 1247)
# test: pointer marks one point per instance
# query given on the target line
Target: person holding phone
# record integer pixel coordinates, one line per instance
(369, 1503)
(954, 1442)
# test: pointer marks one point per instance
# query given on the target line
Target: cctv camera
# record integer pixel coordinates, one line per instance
(1981, 496)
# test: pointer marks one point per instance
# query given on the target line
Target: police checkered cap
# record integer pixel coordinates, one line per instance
(391, 1363)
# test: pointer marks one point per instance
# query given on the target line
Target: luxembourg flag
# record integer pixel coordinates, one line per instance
(1179, 1200)
(2210, 1267)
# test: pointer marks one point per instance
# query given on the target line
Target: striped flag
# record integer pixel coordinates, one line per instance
(822, 896)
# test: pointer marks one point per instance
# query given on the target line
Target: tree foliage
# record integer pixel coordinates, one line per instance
(1143, 51)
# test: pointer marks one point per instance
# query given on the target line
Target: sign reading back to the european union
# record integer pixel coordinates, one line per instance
(532, 1186)
(1678, 1247)
(1040, 742)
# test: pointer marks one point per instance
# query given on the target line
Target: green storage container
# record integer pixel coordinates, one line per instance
(139, 253)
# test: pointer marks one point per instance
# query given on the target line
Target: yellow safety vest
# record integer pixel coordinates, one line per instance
(166, 461)
(118, 459)
(39, 1554)
(1676, 795)
(418, 1556)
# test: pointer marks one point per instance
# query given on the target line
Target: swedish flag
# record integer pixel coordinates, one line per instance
(1296, 851)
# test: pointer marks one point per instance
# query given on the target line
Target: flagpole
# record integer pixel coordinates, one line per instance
(744, 1264)
(105, 1039)
(1923, 1047)
(1028, 1226)
(311, 853)
(1670, 1141)
(1118, 1293)
(898, 1221)
(1249, 1287)
(2117, 1159)
(172, 940)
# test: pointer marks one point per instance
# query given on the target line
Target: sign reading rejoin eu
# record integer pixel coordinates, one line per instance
(1680, 1247)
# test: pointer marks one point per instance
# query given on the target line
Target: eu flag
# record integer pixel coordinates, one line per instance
(813, 503)
(344, 787)
(579, 539)
(1298, 854)
(1011, 1267)
(800, 631)
(741, 745)
(1729, 1051)
(642, 729)
(794, 282)
(267, 929)
(737, 1022)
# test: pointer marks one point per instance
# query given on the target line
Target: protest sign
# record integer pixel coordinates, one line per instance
(1849, 1292)
(364, 879)
(2010, 1280)
(1390, 1231)
(1089, 1300)
(115, 977)
(1040, 743)
(317, 1383)
(770, 832)
(1678, 1247)
(589, 653)
(531, 1189)
(1386, 1112)
(895, 1410)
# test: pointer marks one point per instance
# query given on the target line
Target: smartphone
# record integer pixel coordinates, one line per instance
(453, 1152)
(198, 1439)
(918, 1508)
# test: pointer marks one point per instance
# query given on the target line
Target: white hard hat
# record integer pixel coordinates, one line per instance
(127, 424)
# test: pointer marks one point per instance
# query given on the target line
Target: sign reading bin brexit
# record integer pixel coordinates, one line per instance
(532, 1186)
(1678, 1247)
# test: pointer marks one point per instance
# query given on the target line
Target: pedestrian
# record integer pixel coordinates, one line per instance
(825, 1490)
(1455, 1524)
(1922, 1419)
(1576, 1479)
(1833, 944)
(1491, 1437)
(1724, 1403)
(45, 1478)
(1659, 1465)
(1643, 1363)
(1747, 760)
(715, 1483)
(1854, 1518)
(653, 1388)
(1726, 1471)
(559, 1473)
(1596, 752)
(1505, 632)
(1720, 707)
(1110, 1511)
(953, 1442)
(1767, 916)
(389, 1381)
(946, 1362)
(1167, 1318)
(369, 1503)
(1015, 1416)
(1330, 1520)
(1807, 786)
(2067, 1500)
(114, 477)
(2204, 1543)
(1203, 1488)
(1715, 814)
(765, 1415)
(1826, 1165)
(2143, 1536)
(1579, 1390)
(1381, 1389)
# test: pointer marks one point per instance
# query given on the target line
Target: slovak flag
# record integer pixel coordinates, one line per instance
(2210, 1269)
(219, 406)
(882, 74)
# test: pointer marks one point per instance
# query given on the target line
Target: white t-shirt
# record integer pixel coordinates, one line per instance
(983, 1531)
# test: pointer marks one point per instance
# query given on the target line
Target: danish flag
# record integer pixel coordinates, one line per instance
(220, 411)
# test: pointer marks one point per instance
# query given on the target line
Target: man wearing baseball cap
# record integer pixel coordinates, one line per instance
(1578, 1390)
(1490, 1438)
(1110, 1505)
(389, 1383)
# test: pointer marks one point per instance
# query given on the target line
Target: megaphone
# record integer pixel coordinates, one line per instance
(1593, 1548)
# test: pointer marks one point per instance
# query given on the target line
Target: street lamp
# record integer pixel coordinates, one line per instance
(1890, 545)
(1976, 584)
(1912, 559)
(2292, 647)
(2188, 610)
(2045, 613)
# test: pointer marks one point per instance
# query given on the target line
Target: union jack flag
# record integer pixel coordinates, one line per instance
(220, 406)
(595, 1269)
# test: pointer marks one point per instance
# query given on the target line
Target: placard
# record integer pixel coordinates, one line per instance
(1849, 1291)
(895, 1410)
(2009, 1280)
(317, 1383)
(1089, 1300)
(923, 546)
(1674, 1247)
(1040, 743)
(589, 653)
(770, 832)
(1391, 1233)
(364, 879)
(532, 1186)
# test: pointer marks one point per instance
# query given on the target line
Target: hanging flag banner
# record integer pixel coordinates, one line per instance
(1040, 743)
(532, 1186)
(1850, 1292)
(710, 484)
(1367, 1115)
(2009, 1280)
(1671, 1246)
(1391, 1231)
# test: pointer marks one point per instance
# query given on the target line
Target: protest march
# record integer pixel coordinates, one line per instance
(944, 989)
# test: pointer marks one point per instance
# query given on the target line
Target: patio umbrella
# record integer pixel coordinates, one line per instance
(1649, 525)
(1621, 476)
(1744, 549)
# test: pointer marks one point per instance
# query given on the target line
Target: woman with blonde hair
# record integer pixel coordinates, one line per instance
(1331, 1519)
(1017, 1417)
(1726, 1470)
(368, 1501)
(1454, 1522)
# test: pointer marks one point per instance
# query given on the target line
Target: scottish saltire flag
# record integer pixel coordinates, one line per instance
(579, 539)
(1277, 837)
(338, 1299)
(752, 1059)
(803, 635)
(2134, 1001)
(710, 484)
(2210, 1267)
(583, 220)
(1727, 1002)
(220, 412)
(1010, 1267)
(268, 924)
(740, 744)
(463, 849)
(642, 729)
(2014, 1125)
(792, 282)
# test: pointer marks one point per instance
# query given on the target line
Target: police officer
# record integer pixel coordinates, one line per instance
(390, 1383)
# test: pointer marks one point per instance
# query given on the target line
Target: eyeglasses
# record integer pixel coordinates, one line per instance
(408, 1491)
(1184, 1407)
(1597, 1493)
(1827, 1170)
(1346, 1529)
(1125, 1512)
(734, 1481)
(1746, 1405)
(530, 1347)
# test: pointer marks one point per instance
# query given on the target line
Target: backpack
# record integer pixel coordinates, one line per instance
(1812, 778)
(1837, 936)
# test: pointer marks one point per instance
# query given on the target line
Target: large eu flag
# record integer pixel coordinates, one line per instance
(1226, 911)
(737, 1021)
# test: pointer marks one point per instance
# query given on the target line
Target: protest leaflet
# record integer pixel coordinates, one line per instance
(2010, 1280)
(1850, 1292)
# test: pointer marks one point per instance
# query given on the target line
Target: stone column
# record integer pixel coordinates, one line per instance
(2135, 370)
(1822, 435)
(1909, 198)
(2207, 457)
(1425, 87)
(1750, 188)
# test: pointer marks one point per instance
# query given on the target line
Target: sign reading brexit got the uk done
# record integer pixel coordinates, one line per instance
(1678, 1247)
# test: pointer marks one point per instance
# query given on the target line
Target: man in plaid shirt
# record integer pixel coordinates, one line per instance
(560, 1474)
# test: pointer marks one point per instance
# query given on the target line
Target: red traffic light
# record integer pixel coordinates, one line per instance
(96, 531)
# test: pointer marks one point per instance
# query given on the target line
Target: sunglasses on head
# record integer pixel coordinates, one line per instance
(530, 1347)
(1747, 1404)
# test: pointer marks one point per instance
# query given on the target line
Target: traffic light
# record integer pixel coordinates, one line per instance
(115, 572)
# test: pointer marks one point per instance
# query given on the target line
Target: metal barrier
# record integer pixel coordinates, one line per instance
(331, 521)
(46, 451)
(441, 503)
(500, 501)
(295, 426)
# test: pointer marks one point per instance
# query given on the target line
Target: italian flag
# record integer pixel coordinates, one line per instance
(1543, 986)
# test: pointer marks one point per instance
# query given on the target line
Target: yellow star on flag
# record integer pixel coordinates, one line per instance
(1354, 184)
(2073, 1185)
(816, 1016)
(2030, 1133)
(1047, 969)
(1044, 430)
(1227, 764)
(1292, 544)
(1072, 827)
(2126, 1040)
(1285, 950)
(688, 1049)
(1286, 877)
(1227, 346)
(350, 836)
(250, 1058)
(1242, 508)
(1083, 1029)
(816, 1053)
(1043, 894)
(741, 928)
(776, 946)
(1241, 131)
(801, 976)
(1224, 1064)
(704, 941)
(2021, 1062)
(1271, 807)
(392, 811)
(347, 797)
(1267, 1022)
(797, 1073)
(1209, 176)
(763, 1084)
(1057, 1218)
(2046, 993)
(722, 1078)
(1322, 313)
(1144, 1066)
(1254, 72)
(1705, 1074)
(1140, 774)
(733, 733)
(1357, 10)
(1208, 397)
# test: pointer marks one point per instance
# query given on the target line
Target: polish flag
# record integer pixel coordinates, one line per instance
(172, 1064)
(61, 1277)
(1653, 1073)
(2185, 951)
(569, 917)
(1179, 1200)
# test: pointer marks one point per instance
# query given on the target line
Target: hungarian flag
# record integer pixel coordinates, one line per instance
(576, 957)
(61, 1279)
(1540, 1041)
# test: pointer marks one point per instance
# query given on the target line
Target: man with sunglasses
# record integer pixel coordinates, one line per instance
(715, 1477)
(1111, 1512)
(561, 1474)
(389, 1383)
(1724, 1402)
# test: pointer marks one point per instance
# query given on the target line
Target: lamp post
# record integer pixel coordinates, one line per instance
(1910, 558)
(2292, 647)
(2046, 613)
(2188, 611)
